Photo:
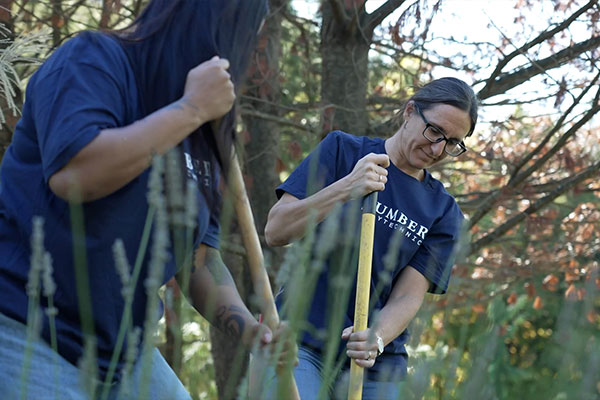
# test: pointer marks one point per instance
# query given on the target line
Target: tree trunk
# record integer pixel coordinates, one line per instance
(344, 51)
(262, 147)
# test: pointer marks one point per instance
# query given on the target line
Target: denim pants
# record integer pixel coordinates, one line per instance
(309, 378)
(50, 376)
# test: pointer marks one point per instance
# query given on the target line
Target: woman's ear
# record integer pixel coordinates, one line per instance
(409, 109)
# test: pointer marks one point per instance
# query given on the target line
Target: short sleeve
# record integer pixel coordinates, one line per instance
(435, 256)
(316, 171)
(211, 237)
(71, 104)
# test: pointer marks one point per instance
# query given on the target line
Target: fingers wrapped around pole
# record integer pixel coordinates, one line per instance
(363, 285)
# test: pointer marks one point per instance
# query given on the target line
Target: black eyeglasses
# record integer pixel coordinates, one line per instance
(452, 147)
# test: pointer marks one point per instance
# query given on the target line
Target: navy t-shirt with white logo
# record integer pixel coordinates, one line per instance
(418, 219)
(86, 86)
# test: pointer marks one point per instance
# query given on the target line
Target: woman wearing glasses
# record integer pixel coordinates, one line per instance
(416, 219)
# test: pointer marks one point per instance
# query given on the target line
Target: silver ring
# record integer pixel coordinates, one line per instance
(380, 178)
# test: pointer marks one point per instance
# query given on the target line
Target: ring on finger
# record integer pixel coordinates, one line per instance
(380, 178)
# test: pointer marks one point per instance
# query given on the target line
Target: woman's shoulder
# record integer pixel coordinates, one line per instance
(349, 141)
(93, 49)
(441, 193)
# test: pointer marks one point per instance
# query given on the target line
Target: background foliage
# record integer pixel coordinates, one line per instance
(522, 318)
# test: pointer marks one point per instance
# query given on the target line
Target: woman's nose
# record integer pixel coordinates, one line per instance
(438, 148)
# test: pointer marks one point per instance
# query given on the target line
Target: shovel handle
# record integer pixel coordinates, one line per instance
(363, 287)
(258, 272)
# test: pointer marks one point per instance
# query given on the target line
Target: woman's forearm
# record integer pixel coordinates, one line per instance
(394, 318)
(403, 304)
(118, 155)
(213, 293)
(289, 217)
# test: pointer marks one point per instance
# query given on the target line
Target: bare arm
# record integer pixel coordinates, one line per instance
(288, 218)
(402, 306)
(212, 292)
(118, 155)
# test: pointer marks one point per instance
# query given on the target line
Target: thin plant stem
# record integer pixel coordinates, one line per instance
(126, 317)
(33, 293)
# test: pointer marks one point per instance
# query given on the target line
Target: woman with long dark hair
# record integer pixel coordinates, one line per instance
(96, 114)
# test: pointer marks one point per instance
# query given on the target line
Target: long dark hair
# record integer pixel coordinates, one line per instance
(449, 91)
(170, 37)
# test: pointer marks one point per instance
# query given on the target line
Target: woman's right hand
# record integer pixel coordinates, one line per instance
(209, 92)
(368, 175)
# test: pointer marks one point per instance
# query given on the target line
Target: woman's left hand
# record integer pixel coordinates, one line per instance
(284, 347)
(361, 346)
(280, 343)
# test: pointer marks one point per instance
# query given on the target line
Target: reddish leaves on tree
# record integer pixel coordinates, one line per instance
(478, 308)
(529, 289)
(512, 299)
(328, 118)
(571, 292)
(279, 165)
(294, 150)
(550, 282)
(57, 21)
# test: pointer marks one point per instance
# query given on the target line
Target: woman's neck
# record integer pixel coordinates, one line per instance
(392, 148)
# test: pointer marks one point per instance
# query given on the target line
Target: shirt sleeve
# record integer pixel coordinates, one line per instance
(211, 237)
(316, 171)
(435, 256)
(71, 105)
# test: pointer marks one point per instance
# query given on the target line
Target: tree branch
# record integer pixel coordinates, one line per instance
(376, 17)
(556, 127)
(511, 80)
(282, 121)
(538, 205)
(517, 102)
(517, 179)
(474, 204)
(400, 54)
(489, 202)
(541, 38)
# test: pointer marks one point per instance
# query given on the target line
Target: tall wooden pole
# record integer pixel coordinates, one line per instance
(363, 287)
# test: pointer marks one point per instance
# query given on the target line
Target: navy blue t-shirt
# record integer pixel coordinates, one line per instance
(86, 86)
(426, 218)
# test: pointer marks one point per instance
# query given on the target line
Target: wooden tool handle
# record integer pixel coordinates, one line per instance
(258, 272)
(363, 287)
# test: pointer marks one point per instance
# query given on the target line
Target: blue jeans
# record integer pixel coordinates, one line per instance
(308, 376)
(50, 376)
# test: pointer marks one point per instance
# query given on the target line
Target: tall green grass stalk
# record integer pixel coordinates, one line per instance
(133, 340)
(49, 287)
(182, 206)
(88, 363)
(128, 294)
(158, 260)
(34, 316)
